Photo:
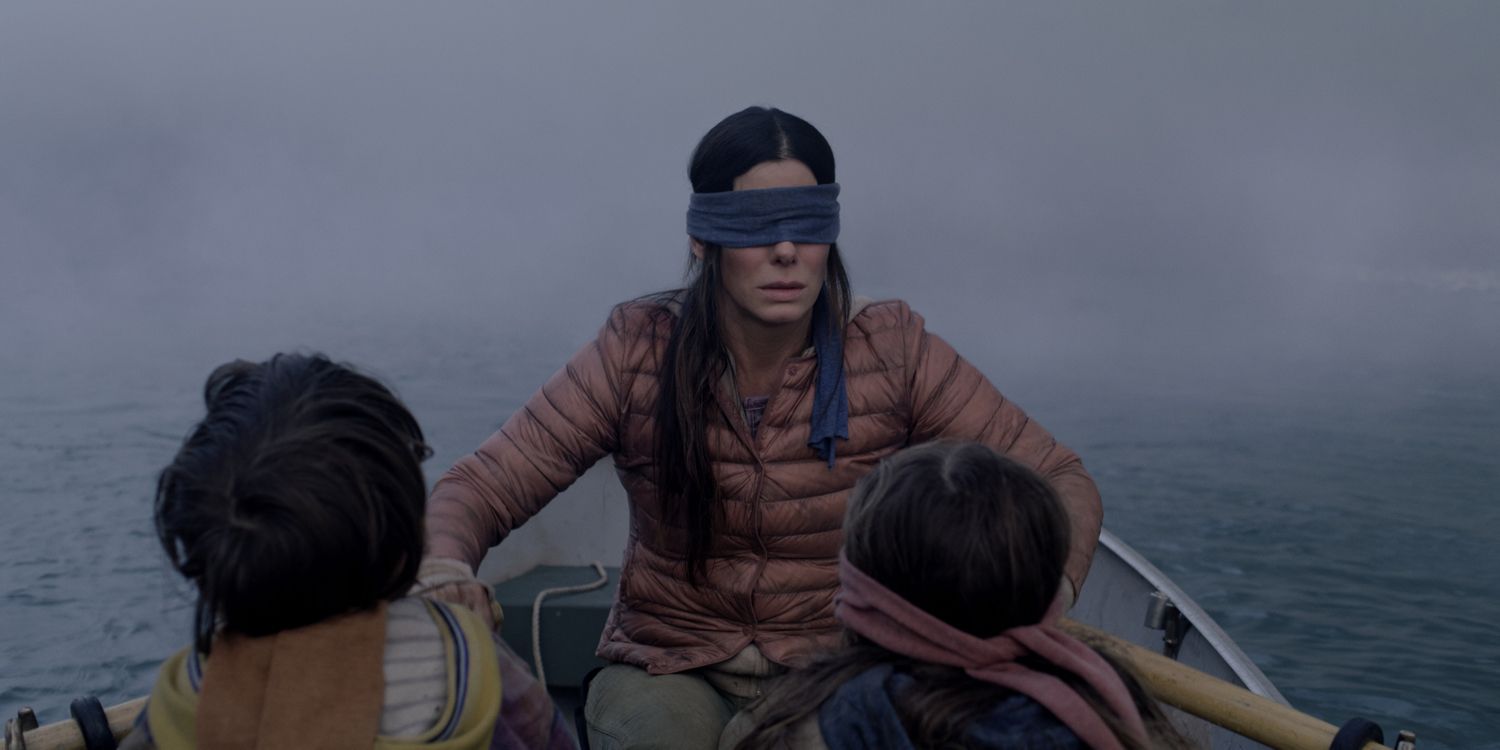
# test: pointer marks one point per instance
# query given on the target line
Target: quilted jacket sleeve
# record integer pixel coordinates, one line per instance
(952, 399)
(562, 430)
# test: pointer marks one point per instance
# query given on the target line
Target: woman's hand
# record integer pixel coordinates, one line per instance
(451, 581)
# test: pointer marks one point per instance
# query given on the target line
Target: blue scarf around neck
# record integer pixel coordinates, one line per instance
(830, 414)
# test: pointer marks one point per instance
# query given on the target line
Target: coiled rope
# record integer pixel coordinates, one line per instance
(536, 614)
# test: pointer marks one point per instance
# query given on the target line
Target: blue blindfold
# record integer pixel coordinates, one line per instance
(751, 218)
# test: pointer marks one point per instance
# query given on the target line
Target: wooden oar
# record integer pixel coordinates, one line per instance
(1216, 701)
(64, 735)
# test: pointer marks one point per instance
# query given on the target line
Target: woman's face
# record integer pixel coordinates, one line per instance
(770, 286)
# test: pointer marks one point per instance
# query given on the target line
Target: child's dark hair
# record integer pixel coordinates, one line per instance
(989, 529)
(298, 497)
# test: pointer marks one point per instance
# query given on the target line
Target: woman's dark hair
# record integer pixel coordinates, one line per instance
(974, 539)
(298, 497)
(695, 359)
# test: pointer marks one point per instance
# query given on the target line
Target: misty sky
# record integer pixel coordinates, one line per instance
(1137, 186)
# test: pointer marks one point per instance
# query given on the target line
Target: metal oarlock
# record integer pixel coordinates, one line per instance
(1162, 614)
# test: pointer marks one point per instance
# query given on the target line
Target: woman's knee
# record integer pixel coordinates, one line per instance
(628, 707)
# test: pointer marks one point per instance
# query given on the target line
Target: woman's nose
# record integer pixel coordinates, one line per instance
(784, 252)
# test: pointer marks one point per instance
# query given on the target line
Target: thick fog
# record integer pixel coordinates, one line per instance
(1106, 190)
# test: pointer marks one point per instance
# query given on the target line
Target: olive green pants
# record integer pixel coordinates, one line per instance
(630, 708)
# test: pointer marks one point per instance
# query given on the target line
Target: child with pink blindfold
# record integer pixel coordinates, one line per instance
(948, 594)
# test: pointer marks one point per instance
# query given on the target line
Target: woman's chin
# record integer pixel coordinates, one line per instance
(784, 315)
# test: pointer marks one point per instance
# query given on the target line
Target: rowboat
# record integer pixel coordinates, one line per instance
(1215, 694)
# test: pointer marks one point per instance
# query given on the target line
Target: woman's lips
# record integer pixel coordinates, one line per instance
(783, 292)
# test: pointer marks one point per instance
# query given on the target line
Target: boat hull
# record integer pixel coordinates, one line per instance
(1121, 590)
(1117, 599)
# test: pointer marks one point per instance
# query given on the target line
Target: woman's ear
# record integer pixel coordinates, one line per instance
(698, 248)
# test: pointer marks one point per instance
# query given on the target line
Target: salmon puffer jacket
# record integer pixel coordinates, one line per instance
(772, 569)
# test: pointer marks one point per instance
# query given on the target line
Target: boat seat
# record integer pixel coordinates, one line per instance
(570, 623)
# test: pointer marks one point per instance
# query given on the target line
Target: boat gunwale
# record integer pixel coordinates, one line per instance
(1248, 673)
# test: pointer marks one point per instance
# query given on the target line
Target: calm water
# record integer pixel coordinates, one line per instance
(1341, 526)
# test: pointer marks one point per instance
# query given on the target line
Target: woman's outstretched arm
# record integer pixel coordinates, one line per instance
(562, 430)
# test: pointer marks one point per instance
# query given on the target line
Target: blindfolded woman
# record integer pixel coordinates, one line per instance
(739, 411)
